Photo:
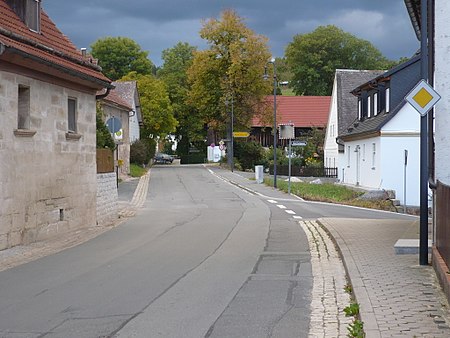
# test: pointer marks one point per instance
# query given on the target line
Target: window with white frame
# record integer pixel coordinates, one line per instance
(369, 106)
(388, 91)
(364, 152)
(348, 156)
(375, 104)
(23, 107)
(359, 108)
(72, 115)
(374, 150)
(29, 11)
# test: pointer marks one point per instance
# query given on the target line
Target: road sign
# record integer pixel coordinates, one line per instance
(423, 97)
(114, 124)
(287, 131)
(298, 143)
(241, 134)
(222, 147)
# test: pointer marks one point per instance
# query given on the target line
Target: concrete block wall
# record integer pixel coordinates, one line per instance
(107, 197)
(48, 180)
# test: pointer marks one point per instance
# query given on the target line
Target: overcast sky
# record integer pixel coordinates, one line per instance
(160, 24)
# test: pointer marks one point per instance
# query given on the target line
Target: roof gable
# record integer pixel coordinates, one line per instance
(346, 81)
(50, 47)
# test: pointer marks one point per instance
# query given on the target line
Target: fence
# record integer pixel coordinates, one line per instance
(105, 161)
(305, 171)
(443, 221)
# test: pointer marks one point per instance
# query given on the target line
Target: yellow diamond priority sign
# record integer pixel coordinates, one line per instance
(423, 97)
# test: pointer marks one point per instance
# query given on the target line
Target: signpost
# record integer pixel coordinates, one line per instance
(423, 97)
(287, 132)
(242, 134)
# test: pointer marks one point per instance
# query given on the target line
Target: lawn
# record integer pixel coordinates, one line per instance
(331, 193)
(137, 170)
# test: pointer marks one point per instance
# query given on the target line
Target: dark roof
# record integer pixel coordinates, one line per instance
(361, 129)
(115, 98)
(413, 7)
(388, 74)
(374, 124)
(302, 111)
(128, 90)
(49, 48)
(346, 81)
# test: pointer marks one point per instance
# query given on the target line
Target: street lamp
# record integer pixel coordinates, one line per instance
(266, 76)
(231, 138)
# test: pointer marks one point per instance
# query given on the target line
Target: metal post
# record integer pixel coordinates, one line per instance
(290, 155)
(404, 181)
(423, 243)
(274, 124)
(232, 136)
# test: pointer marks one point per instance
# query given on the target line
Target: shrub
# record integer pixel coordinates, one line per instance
(248, 154)
(142, 151)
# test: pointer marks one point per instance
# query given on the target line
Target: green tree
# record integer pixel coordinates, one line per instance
(314, 57)
(173, 72)
(119, 56)
(230, 69)
(104, 138)
(157, 114)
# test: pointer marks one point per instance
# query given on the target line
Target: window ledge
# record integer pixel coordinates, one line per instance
(73, 136)
(24, 132)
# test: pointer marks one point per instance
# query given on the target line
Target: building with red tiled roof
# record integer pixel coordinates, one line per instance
(304, 112)
(48, 127)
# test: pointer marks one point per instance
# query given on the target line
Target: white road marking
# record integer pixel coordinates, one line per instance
(291, 212)
(281, 206)
(272, 201)
(298, 217)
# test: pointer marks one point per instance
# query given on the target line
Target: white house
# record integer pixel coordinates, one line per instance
(128, 91)
(384, 130)
(342, 110)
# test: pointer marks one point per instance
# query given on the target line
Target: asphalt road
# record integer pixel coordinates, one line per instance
(193, 262)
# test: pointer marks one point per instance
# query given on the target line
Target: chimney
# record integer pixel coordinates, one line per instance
(83, 52)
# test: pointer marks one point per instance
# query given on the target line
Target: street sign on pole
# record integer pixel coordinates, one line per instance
(298, 143)
(241, 134)
(423, 97)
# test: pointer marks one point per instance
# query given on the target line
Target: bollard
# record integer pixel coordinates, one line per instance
(259, 173)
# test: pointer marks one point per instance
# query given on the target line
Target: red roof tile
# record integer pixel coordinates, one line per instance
(302, 111)
(50, 45)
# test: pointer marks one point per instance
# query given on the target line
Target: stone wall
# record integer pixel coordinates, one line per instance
(48, 178)
(107, 197)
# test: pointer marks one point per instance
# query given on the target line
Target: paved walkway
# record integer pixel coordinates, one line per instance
(397, 297)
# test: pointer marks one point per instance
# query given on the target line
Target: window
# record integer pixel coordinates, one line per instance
(375, 104)
(387, 99)
(29, 11)
(364, 152)
(373, 155)
(348, 156)
(72, 115)
(369, 106)
(23, 108)
(359, 108)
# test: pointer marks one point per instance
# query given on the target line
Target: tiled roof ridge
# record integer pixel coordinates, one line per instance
(47, 49)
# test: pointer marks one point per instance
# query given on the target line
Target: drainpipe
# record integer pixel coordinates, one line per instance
(102, 96)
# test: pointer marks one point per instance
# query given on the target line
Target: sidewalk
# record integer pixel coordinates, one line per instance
(397, 296)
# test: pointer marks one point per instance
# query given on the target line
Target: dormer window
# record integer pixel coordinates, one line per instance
(29, 11)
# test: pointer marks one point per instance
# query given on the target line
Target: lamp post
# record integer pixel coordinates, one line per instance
(266, 76)
(231, 138)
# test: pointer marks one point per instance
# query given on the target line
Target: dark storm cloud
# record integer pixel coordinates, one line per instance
(157, 24)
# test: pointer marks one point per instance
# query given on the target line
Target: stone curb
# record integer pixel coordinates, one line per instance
(367, 313)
